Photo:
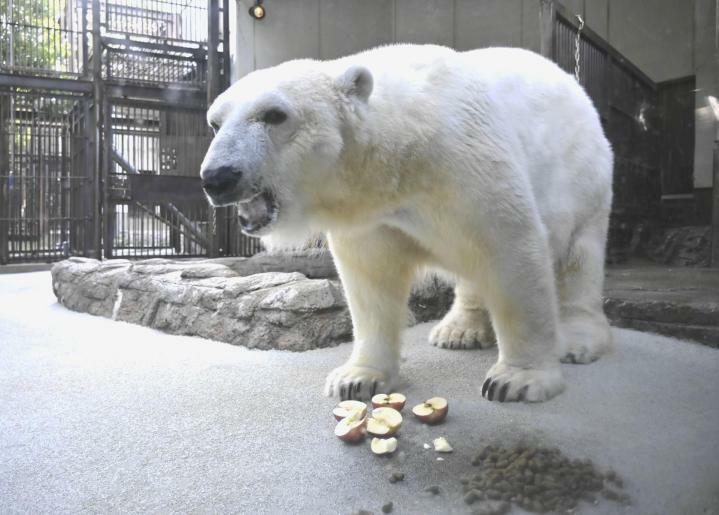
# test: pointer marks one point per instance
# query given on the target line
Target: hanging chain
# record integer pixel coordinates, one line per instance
(576, 47)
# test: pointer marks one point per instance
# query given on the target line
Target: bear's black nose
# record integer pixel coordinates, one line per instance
(221, 181)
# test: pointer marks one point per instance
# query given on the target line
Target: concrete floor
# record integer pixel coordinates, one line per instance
(105, 417)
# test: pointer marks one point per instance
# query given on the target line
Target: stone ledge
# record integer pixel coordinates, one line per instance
(262, 309)
(254, 302)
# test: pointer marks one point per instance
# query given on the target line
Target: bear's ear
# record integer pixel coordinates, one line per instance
(356, 82)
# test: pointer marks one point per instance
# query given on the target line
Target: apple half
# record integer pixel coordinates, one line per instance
(384, 422)
(383, 445)
(351, 428)
(432, 411)
(346, 408)
(392, 400)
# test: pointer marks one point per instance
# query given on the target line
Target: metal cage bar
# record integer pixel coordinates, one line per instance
(45, 212)
(100, 100)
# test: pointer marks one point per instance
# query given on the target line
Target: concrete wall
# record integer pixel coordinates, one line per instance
(665, 38)
(706, 69)
(657, 35)
(325, 29)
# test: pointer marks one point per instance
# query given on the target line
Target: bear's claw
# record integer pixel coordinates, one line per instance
(510, 383)
(579, 358)
(356, 382)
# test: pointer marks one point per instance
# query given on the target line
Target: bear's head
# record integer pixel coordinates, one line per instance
(279, 137)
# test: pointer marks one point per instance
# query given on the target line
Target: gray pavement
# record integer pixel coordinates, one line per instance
(106, 417)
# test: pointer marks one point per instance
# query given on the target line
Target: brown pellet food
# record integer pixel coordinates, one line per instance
(396, 476)
(537, 479)
(434, 489)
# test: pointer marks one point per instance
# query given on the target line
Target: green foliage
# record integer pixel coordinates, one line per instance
(31, 34)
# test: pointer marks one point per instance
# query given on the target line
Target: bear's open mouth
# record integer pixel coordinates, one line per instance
(257, 213)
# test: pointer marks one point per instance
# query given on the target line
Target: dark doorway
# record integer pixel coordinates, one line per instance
(676, 106)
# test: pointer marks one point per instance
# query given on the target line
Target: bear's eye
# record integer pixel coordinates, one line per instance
(274, 116)
(215, 127)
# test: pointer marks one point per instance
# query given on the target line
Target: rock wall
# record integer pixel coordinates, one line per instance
(252, 302)
(265, 310)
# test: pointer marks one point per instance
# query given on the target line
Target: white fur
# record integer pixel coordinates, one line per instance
(491, 165)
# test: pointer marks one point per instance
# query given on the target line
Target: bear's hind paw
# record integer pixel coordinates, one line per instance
(451, 335)
(357, 382)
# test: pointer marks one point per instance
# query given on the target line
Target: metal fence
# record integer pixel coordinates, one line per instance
(102, 129)
(43, 37)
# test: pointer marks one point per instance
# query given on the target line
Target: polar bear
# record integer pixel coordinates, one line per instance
(490, 165)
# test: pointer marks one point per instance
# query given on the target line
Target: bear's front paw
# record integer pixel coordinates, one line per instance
(357, 382)
(510, 383)
(462, 331)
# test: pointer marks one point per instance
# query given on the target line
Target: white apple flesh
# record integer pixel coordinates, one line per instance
(432, 411)
(384, 422)
(442, 445)
(351, 428)
(383, 445)
(392, 400)
(346, 408)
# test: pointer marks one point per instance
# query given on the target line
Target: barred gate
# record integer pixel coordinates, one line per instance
(45, 181)
(627, 102)
(102, 129)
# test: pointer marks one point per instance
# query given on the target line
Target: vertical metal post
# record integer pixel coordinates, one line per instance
(213, 41)
(546, 28)
(715, 178)
(226, 42)
(98, 102)
(85, 49)
(88, 206)
(715, 203)
(5, 184)
(213, 89)
(108, 207)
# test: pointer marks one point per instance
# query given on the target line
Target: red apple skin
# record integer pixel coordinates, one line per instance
(354, 435)
(436, 417)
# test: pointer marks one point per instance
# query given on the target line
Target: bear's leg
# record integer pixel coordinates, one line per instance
(522, 299)
(583, 324)
(376, 268)
(466, 325)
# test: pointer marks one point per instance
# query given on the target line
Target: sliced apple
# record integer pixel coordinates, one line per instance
(346, 408)
(432, 411)
(383, 445)
(352, 427)
(384, 422)
(392, 400)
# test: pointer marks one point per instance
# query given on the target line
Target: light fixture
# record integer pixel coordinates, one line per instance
(257, 11)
